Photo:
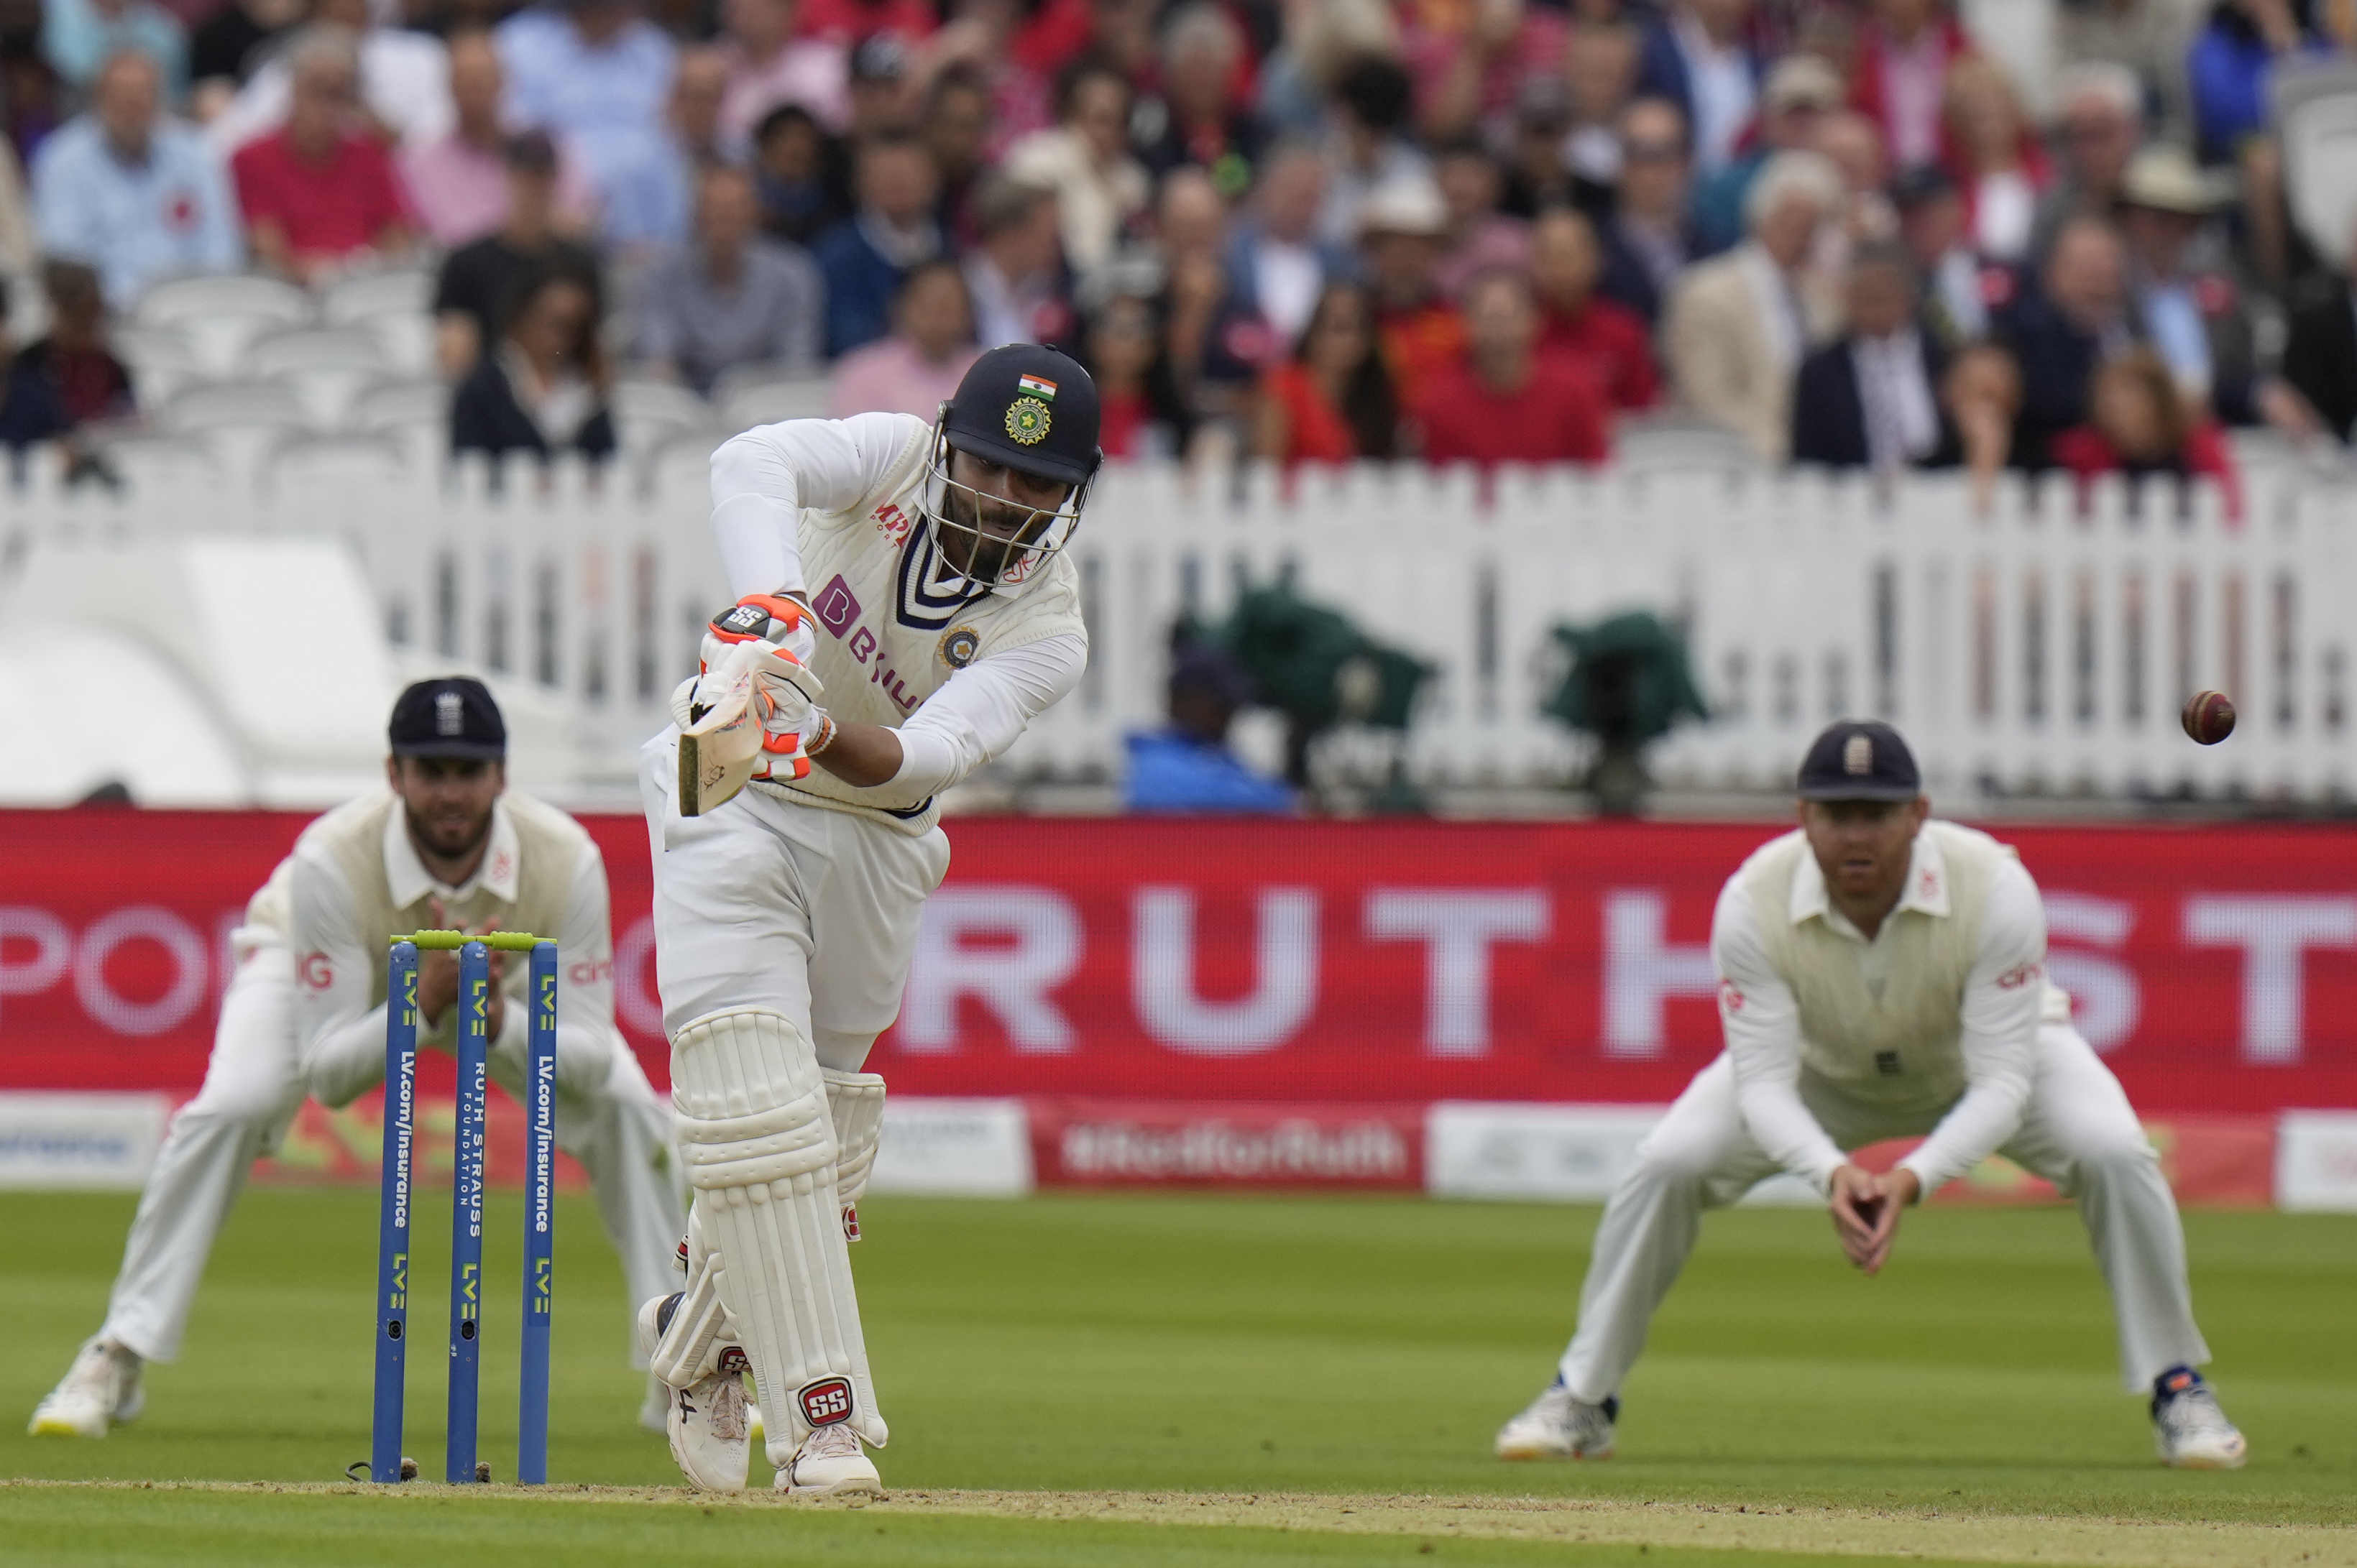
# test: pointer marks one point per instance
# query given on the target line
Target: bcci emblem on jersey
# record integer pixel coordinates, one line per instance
(959, 645)
(1027, 420)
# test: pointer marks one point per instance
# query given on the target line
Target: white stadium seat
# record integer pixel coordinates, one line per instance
(327, 367)
(371, 295)
(163, 361)
(646, 413)
(223, 315)
(330, 465)
(394, 309)
(765, 394)
(218, 404)
(163, 466)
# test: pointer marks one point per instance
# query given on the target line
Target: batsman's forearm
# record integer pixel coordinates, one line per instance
(862, 755)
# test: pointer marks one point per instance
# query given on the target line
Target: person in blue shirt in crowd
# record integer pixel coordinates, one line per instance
(865, 257)
(1187, 766)
(130, 191)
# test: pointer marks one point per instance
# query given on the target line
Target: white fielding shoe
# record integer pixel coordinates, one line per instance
(1557, 1426)
(831, 1464)
(101, 1390)
(2188, 1429)
(711, 1436)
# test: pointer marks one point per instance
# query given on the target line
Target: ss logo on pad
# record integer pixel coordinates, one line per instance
(826, 1401)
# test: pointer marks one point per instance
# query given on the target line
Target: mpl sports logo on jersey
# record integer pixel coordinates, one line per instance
(826, 1401)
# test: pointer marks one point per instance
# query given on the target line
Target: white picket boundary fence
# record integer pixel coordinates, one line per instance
(2032, 649)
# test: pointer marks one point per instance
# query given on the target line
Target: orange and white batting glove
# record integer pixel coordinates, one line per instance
(763, 644)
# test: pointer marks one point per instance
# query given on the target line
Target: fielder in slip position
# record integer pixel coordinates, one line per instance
(443, 847)
(1882, 975)
(911, 578)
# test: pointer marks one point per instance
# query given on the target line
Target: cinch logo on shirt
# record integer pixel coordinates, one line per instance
(316, 972)
(1730, 1000)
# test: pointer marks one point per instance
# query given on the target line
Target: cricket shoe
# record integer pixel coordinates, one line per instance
(711, 1437)
(831, 1464)
(2188, 1428)
(99, 1390)
(1557, 1426)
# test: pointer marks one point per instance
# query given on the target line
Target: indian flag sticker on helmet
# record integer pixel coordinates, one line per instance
(1038, 386)
(1026, 419)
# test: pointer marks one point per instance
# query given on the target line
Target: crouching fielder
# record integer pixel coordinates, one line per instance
(1884, 976)
(442, 845)
(912, 578)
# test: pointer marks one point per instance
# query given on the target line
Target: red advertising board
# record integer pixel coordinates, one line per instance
(1273, 960)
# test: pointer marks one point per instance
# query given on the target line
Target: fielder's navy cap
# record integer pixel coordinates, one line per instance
(451, 715)
(1031, 408)
(1859, 760)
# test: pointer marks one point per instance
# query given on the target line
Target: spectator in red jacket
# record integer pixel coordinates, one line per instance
(1330, 402)
(318, 194)
(1606, 338)
(1505, 402)
(2140, 423)
(1904, 51)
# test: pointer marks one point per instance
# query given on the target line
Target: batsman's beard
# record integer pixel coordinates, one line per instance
(982, 534)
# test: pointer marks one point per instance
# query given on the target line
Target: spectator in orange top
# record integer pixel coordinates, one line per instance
(1503, 402)
(1332, 400)
(1403, 233)
(2140, 423)
(1607, 339)
(318, 194)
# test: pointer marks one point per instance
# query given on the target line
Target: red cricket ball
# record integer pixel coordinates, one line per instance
(2209, 717)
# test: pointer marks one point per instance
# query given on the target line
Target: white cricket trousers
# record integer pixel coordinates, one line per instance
(772, 903)
(254, 1086)
(2078, 1131)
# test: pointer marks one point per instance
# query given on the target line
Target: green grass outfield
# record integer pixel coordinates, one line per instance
(1157, 1379)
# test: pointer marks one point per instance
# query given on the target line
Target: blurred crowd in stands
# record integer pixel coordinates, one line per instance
(1851, 232)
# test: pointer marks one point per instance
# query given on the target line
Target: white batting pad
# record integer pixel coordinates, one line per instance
(690, 1348)
(761, 1155)
(856, 1101)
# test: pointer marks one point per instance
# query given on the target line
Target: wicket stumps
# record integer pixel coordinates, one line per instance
(459, 1463)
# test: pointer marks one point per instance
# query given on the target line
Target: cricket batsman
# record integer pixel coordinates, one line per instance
(907, 607)
(1883, 976)
(444, 846)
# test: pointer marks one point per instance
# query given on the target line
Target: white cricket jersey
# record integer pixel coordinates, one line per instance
(833, 510)
(355, 881)
(1939, 1013)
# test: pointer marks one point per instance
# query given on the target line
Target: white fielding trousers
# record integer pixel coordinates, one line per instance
(253, 1087)
(2078, 1131)
(771, 903)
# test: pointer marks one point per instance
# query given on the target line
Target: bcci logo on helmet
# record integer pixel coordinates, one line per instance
(826, 1401)
(1027, 421)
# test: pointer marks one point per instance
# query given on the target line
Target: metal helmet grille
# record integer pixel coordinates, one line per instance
(1027, 552)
